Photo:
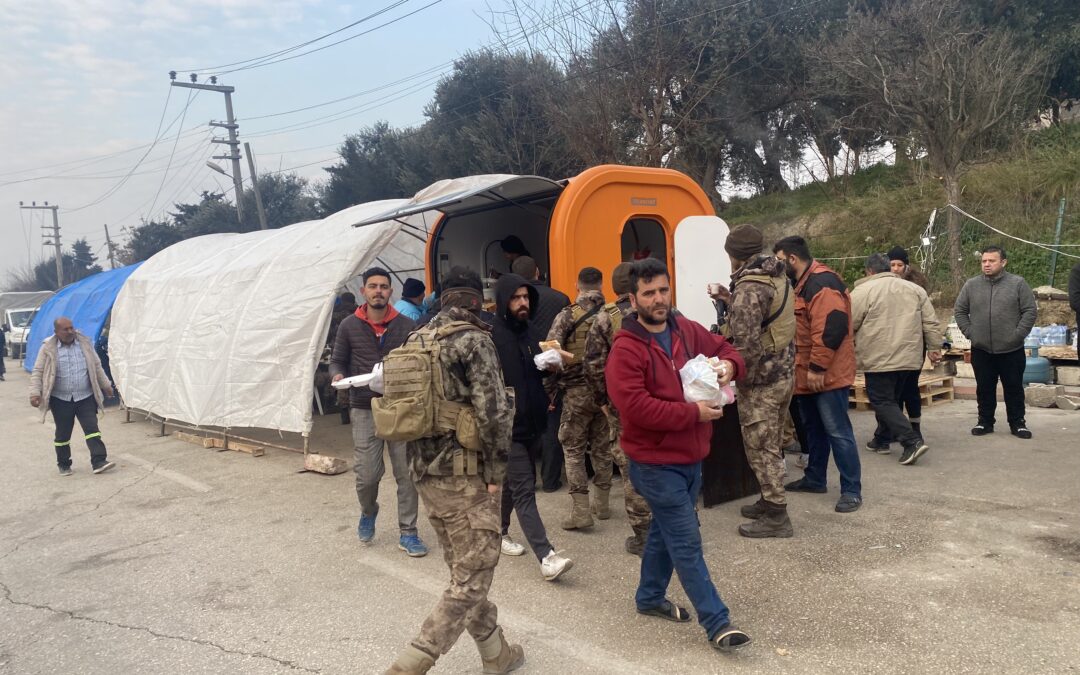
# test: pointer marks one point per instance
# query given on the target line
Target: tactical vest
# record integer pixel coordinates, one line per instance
(778, 327)
(615, 313)
(579, 328)
(414, 404)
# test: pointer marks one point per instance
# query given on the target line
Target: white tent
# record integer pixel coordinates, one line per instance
(226, 330)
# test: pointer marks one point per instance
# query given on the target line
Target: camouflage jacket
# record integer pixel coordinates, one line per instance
(573, 375)
(747, 309)
(471, 375)
(597, 347)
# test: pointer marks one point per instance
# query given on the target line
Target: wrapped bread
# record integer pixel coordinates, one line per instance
(547, 345)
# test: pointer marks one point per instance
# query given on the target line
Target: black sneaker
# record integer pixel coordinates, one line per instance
(981, 429)
(848, 503)
(103, 467)
(65, 471)
(802, 486)
(1021, 431)
(877, 446)
(913, 452)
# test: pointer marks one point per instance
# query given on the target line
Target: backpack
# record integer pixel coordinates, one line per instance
(414, 404)
(575, 337)
(615, 313)
(778, 328)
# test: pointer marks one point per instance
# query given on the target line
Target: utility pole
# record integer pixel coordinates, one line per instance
(109, 246)
(1057, 241)
(56, 238)
(255, 186)
(230, 125)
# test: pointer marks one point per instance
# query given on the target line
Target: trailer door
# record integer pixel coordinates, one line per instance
(700, 259)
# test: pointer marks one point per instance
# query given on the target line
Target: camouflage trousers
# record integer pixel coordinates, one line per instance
(584, 428)
(763, 413)
(638, 513)
(466, 520)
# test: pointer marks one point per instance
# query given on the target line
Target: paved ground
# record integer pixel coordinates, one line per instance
(185, 560)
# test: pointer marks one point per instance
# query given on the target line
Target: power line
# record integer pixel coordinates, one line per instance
(158, 135)
(332, 44)
(191, 94)
(216, 69)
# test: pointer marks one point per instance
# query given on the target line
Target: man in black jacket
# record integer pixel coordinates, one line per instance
(549, 303)
(517, 343)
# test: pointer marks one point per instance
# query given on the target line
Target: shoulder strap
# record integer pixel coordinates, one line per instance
(780, 310)
(583, 318)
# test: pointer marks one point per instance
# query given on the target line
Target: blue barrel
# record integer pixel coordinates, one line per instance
(1037, 369)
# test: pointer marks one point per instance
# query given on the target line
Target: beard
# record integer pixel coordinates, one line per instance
(377, 303)
(522, 314)
(650, 317)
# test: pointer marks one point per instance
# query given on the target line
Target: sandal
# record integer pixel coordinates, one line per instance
(667, 610)
(729, 638)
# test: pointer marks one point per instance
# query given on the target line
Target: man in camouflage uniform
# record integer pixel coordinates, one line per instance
(597, 348)
(584, 426)
(757, 309)
(463, 508)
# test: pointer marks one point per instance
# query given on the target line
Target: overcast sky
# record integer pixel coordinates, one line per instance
(84, 78)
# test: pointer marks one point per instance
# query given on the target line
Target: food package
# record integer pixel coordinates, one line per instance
(546, 345)
(550, 359)
(701, 382)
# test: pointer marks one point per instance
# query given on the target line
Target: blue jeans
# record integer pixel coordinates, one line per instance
(825, 417)
(674, 541)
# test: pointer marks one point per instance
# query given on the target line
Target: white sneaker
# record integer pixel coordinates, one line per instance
(553, 565)
(511, 547)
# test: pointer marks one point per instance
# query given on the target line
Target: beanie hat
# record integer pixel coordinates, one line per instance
(898, 253)
(744, 242)
(412, 288)
(620, 278)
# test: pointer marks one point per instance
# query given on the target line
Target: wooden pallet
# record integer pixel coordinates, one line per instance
(933, 389)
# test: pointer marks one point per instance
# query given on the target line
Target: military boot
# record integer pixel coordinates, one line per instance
(412, 661)
(773, 523)
(498, 655)
(636, 544)
(753, 511)
(600, 506)
(580, 517)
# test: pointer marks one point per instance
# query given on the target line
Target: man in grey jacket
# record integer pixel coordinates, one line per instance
(69, 380)
(996, 312)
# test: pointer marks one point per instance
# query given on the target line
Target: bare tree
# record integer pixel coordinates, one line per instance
(928, 67)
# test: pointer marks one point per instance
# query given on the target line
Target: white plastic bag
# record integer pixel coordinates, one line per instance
(372, 380)
(548, 360)
(701, 383)
(376, 384)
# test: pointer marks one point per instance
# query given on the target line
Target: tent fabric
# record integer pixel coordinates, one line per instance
(227, 330)
(86, 302)
(457, 195)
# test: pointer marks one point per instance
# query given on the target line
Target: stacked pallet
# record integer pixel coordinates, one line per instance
(933, 389)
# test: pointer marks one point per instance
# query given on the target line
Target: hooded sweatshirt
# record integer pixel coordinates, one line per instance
(517, 342)
(658, 425)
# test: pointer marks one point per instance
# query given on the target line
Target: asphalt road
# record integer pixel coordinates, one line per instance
(187, 560)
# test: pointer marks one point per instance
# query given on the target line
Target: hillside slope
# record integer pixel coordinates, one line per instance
(1018, 192)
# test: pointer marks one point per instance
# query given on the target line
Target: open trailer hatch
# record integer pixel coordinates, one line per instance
(473, 194)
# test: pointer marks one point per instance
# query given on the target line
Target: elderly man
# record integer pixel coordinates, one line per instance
(894, 323)
(996, 311)
(69, 380)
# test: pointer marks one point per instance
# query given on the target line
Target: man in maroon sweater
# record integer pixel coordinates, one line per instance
(665, 439)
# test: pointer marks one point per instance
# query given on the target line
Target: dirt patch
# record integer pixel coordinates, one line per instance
(1068, 548)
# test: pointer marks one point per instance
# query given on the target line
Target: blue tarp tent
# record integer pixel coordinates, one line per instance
(87, 303)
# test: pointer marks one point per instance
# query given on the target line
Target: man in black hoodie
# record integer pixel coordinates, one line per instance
(517, 342)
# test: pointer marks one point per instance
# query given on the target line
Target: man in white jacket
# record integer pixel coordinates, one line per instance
(69, 381)
(893, 321)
